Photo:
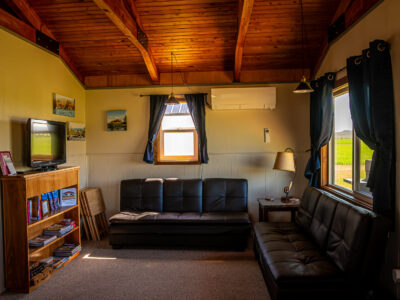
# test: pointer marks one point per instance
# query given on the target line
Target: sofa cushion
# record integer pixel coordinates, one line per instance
(225, 195)
(128, 217)
(348, 237)
(142, 194)
(307, 207)
(183, 195)
(290, 254)
(322, 220)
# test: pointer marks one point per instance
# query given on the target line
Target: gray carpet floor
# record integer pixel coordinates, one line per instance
(103, 273)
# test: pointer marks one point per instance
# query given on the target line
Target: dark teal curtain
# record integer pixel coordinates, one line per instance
(372, 110)
(321, 123)
(197, 107)
(157, 110)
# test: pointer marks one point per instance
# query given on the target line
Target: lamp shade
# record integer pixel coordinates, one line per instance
(171, 100)
(284, 161)
(303, 87)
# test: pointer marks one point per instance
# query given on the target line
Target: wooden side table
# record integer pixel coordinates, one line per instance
(265, 206)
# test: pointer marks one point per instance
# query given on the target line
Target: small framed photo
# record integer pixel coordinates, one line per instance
(116, 120)
(45, 207)
(76, 131)
(6, 163)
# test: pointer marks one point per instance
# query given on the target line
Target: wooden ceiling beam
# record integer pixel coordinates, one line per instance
(341, 9)
(245, 7)
(16, 25)
(190, 78)
(22, 7)
(130, 5)
(124, 21)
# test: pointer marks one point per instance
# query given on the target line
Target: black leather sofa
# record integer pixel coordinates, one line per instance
(175, 212)
(332, 250)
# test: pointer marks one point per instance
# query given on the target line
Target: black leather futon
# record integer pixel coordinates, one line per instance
(333, 250)
(182, 212)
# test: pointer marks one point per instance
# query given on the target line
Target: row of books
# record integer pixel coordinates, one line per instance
(41, 206)
(52, 232)
(61, 256)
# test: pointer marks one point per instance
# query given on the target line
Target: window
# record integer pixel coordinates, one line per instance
(177, 141)
(342, 144)
(346, 161)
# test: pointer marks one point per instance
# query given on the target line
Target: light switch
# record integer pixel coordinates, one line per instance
(267, 137)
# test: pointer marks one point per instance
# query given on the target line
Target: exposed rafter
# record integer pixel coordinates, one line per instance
(245, 7)
(16, 25)
(341, 9)
(122, 18)
(23, 8)
(130, 5)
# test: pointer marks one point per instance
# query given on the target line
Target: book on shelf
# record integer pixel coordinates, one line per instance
(36, 210)
(35, 269)
(53, 262)
(59, 261)
(51, 203)
(67, 222)
(45, 206)
(41, 240)
(67, 250)
(57, 229)
(48, 261)
(56, 199)
(68, 197)
(29, 210)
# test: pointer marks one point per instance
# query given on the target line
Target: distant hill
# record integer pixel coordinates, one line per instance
(346, 134)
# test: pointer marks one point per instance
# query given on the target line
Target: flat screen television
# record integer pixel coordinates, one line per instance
(46, 143)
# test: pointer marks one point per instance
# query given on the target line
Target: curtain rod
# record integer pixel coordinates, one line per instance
(340, 70)
(179, 95)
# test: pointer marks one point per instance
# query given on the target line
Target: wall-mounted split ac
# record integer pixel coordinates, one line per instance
(243, 98)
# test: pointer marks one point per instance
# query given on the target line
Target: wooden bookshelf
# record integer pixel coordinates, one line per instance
(17, 232)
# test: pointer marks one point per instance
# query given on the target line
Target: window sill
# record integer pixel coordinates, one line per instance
(352, 197)
(177, 163)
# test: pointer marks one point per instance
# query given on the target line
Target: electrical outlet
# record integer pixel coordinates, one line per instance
(267, 137)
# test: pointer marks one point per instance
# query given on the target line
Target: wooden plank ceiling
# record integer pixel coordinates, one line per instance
(201, 33)
(207, 37)
(93, 42)
(273, 40)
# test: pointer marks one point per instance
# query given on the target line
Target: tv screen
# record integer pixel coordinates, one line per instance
(46, 142)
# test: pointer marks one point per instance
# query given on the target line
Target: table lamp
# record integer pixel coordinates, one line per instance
(284, 161)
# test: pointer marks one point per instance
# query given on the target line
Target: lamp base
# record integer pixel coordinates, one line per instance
(285, 200)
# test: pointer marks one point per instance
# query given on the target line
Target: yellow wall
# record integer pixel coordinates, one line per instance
(28, 77)
(235, 142)
(381, 23)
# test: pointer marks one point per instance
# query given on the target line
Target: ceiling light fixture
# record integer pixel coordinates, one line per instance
(172, 99)
(303, 87)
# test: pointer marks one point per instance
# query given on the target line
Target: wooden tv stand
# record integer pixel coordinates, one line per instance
(17, 233)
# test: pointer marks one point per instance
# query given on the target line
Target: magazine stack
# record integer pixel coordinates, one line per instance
(67, 250)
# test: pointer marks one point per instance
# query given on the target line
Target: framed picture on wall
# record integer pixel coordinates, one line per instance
(76, 131)
(63, 105)
(6, 163)
(116, 120)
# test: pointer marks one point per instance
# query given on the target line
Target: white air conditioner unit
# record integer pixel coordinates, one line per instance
(243, 98)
